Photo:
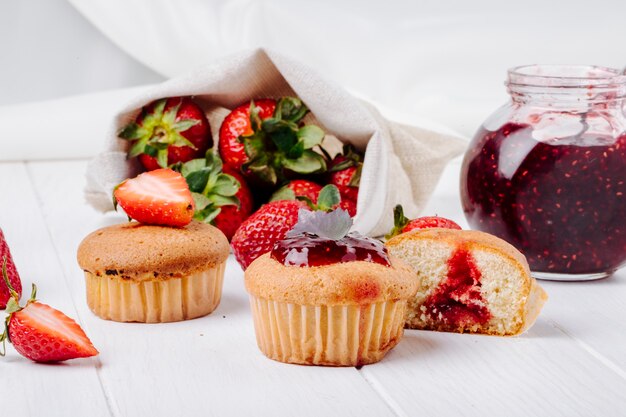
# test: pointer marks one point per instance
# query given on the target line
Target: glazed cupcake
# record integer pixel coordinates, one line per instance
(324, 296)
(136, 272)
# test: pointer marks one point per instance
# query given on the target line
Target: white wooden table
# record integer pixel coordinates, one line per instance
(571, 363)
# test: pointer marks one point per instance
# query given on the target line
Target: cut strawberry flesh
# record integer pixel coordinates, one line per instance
(457, 302)
(157, 197)
(43, 334)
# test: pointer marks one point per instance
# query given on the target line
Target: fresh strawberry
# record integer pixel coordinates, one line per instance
(14, 277)
(266, 226)
(266, 141)
(156, 197)
(272, 221)
(221, 195)
(345, 172)
(168, 131)
(231, 217)
(41, 333)
(237, 123)
(402, 224)
(298, 188)
(349, 206)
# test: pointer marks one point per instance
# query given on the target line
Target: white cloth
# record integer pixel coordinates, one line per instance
(402, 163)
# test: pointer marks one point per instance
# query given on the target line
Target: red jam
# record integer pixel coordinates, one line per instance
(562, 201)
(307, 249)
(458, 301)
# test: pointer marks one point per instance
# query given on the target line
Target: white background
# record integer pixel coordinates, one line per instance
(440, 60)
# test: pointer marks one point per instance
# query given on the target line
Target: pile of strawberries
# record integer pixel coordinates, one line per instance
(268, 165)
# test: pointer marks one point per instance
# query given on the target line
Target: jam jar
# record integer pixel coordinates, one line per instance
(547, 171)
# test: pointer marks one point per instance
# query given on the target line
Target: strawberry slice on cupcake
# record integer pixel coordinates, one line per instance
(156, 197)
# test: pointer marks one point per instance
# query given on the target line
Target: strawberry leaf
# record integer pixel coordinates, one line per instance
(152, 119)
(284, 138)
(328, 198)
(169, 117)
(183, 125)
(311, 135)
(176, 139)
(191, 166)
(200, 200)
(399, 220)
(207, 214)
(12, 306)
(220, 200)
(296, 150)
(133, 131)
(150, 150)
(255, 119)
(291, 109)
(284, 193)
(162, 157)
(308, 163)
(138, 148)
(197, 180)
(333, 225)
(226, 185)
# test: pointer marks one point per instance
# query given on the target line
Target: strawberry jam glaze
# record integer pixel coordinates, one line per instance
(562, 201)
(307, 249)
(457, 301)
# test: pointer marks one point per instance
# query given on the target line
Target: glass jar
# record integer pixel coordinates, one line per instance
(547, 171)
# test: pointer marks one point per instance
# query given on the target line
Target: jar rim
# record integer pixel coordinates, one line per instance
(541, 75)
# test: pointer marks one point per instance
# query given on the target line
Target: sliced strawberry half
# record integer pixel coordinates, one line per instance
(266, 147)
(168, 131)
(42, 333)
(157, 197)
(402, 224)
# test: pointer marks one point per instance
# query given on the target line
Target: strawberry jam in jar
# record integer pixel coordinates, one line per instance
(547, 171)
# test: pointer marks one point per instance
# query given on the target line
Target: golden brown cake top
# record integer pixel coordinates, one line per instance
(471, 239)
(134, 250)
(357, 282)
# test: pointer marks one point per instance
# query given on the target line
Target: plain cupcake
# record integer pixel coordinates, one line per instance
(151, 274)
(324, 296)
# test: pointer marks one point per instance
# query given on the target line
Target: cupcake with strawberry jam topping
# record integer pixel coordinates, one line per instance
(325, 296)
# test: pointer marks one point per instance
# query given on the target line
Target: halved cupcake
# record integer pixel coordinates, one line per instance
(324, 296)
(470, 281)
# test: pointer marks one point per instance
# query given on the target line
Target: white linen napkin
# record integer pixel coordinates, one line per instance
(402, 163)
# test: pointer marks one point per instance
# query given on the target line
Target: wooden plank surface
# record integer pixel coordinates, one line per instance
(27, 388)
(572, 362)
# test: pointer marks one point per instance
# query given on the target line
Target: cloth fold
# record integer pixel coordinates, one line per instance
(402, 163)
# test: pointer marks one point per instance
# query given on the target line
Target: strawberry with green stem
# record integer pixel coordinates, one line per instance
(268, 142)
(168, 131)
(271, 222)
(40, 332)
(403, 224)
(221, 198)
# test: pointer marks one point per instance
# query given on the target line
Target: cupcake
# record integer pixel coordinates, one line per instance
(324, 296)
(470, 282)
(137, 272)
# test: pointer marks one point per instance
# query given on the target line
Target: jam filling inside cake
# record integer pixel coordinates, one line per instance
(457, 301)
(307, 249)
